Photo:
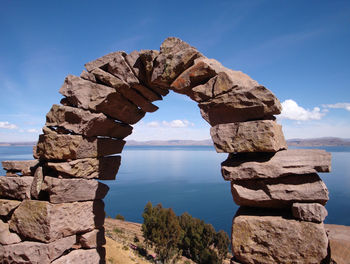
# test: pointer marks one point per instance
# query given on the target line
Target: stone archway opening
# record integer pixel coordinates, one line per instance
(55, 207)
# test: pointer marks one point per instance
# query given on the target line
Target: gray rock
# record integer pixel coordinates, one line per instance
(73, 190)
(24, 167)
(17, 188)
(63, 147)
(104, 168)
(311, 212)
(252, 136)
(86, 123)
(37, 182)
(34, 252)
(92, 239)
(274, 165)
(273, 239)
(46, 222)
(100, 98)
(90, 256)
(6, 237)
(7, 206)
(240, 104)
(280, 192)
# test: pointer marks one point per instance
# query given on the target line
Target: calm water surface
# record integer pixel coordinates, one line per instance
(188, 179)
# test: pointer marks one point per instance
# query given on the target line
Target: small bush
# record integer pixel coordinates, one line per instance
(120, 217)
(118, 231)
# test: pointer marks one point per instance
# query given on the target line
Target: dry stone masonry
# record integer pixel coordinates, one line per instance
(51, 208)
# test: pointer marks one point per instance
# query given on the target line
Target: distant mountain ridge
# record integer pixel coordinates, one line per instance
(312, 142)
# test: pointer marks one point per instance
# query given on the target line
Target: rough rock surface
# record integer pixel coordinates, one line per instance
(86, 123)
(73, 190)
(90, 256)
(175, 57)
(17, 188)
(24, 167)
(88, 76)
(102, 61)
(252, 136)
(34, 252)
(37, 182)
(100, 98)
(280, 192)
(274, 165)
(7, 206)
(240, 104)
(6, 237)
(273, 239)
(312, 212)
(63, 147)
(92, 239)
(104, 168)
(121, 69)
(46, 222)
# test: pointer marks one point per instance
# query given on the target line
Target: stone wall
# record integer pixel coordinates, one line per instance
(51, 208)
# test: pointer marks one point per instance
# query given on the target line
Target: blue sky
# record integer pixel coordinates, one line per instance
(298, 49)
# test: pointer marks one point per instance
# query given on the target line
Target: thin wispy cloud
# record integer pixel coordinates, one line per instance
(7, 125)
(172, 124)
(292, 111)
(345, 106)
(32, 130)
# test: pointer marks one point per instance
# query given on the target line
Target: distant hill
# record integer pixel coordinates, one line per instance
(317, 142)
(206, 142)
(17, 144)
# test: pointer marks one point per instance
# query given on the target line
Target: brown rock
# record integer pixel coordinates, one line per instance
(63, 147)
(34, 252)
(86, 123)
(7, 206)
(252, 136)
(339, 238)
(102, 61)
(273, 239)
(92, 239)
(311, 212)
(125, 90)
(120, 68)
(88, 76)
(15, 187)
(24, 167)
(104, 168)
(149, 94)
(6, 237)
(280, 192)
(90, 256)
(274, 165)
(73, 190)
(240, 104)
(37, 182)
(46, 222)
(100, 98)
(175, 57)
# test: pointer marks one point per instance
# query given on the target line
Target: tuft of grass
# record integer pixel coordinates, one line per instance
(118, 231)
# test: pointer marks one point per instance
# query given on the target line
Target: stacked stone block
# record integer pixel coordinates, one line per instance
(52, 209)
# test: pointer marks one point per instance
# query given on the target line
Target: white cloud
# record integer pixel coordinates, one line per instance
(345, 106)
(32, 130)
(7, 125)
(153, 124)
(291, 110)
(178, 123)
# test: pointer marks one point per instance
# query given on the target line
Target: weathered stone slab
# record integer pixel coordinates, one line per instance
(104, 168)
(125, 90)
(149, 94)
(88, 76)
(102, 61)
(73, 190)
(89, 256)
(274, 165)
(100, 98)
(92, 239)
(240, 104)
(15, 187)
(24, 167)
(120, 68)
(273, 239)
(7, 237)
(63, 147)
(175, 57)
(280, 192)
(86, 123)
(34, 252)
(252, 136)
(46, 222)
(7, 206)
(37, 182)
(312, 212)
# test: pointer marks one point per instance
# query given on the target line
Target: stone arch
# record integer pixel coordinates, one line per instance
(59, 211)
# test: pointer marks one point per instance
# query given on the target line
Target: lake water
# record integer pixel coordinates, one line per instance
(188, 179)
